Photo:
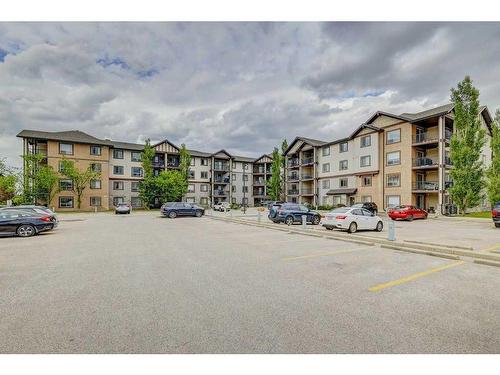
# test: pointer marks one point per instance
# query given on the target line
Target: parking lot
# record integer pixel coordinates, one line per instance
(140, 283)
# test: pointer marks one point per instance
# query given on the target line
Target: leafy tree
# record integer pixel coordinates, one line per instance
(274, 185)
(284, 146)
(41, 180)
(81, 179)
(493, 172)
(8, 182)
(465, 147)
(147, 187)
(171, 186)
(185, 161)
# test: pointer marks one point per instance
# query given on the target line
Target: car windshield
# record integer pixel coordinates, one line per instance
(400, 208)
(357, 205)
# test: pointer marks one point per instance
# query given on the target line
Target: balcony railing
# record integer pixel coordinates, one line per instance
(173, 163)
(293, 192)
(448, 134)
(259, 193)
(258, 170)
(221, 167)
(425, 162)
(293, 162)
(225, 180)
(259, 182)
(293, 177)
(426, 185)
(307, 161)
(307, 191)
(306, 177)
(425, 137)
(221, 193)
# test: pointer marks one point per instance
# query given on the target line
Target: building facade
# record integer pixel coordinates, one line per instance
(390, 160)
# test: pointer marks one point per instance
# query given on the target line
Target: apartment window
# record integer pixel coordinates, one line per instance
(234, 164)
(234, 177)
(204, 188)
(191, 174)
(95, 201)
(136, 171)
(245, 166)
(393, 200)
(326, 151)
(66, 185)
(343, 165)
(366, 141)
(204, 161)
(134, 186)
(365, 161)
(193, 162)
(343, 182)
(233, 200)
(393, 180)
(96, 167)
(393, 136)
(326, 167)
(343, 147)
(393, 158)
(191, 188)
(190, 200)
(95, 184)
(118, 200)
(325, 184)
(61, 166)
(366, 198)
(117, 185)
(66, 148)
(245, 189)
(245, 177)
(233, 189)
(204, 201)
(135, 156)
(366, 181)
(136, 202)
(204, 174)
(117, 169)
(66, 202)
(95, 150)
(117, 154)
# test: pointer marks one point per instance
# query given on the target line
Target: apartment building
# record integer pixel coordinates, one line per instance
(390, 160)
(261, 175)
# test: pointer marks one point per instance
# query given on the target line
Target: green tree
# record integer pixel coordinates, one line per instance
(81, 179)
(284, 147)
(40, 179)
(184, 162)
(147, 187)
(493, 172)
(171, 186)
(465, 147)
(8, 182)
(274, 185)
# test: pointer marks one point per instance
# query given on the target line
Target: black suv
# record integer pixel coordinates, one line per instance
(370, 206)
(495, 214)
(290, 213)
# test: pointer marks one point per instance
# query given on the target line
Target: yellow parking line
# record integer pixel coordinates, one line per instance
(324, 254)
(492, 248)
(403, 280)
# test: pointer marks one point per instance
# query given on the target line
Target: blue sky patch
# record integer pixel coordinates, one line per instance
(106, 61)
(3, 53)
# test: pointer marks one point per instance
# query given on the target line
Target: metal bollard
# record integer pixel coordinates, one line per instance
(304, 221)
(258, 216)
(391, 233)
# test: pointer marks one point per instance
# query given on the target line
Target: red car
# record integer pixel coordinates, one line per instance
(406, 212)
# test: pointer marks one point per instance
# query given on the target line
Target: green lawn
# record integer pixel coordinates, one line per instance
(482, 214)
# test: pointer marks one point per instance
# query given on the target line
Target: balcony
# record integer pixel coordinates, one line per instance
(306, 191)
(224, 180)
(259, 170)
(221, 193)
(292, 177)
(427, 186)
(159, 164)
(425, 163)
(306, 177)
(259, 193)
(293, 163)
(221, 167)
(307, 161)
(293, 192)
(173, 164)
(425, 138)
(259, 181)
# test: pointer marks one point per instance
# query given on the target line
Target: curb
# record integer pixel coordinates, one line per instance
(423, 252)
(487, 262)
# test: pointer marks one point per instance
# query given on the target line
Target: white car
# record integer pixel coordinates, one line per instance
(222, 206)
(352, 219)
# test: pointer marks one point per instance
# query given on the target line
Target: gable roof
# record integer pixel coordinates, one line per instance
(167, 142)
(263, 156)
(382, 113)
(222, 152)
(199, 153)
(310, 141)
(75, 136)
(437, 111)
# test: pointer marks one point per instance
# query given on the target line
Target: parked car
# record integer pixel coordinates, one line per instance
(174, 209)
(222, 206)
(406, 212)
(352, 220)
(33, 209)
(123, 208)
(290, 213)
(370, 206)
(270, 204)
(273, 210)
(23, 223)
(495, 214)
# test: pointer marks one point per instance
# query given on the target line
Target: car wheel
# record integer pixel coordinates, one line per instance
(289, 220)
(116, 213)
(379, 226)
(197, 214)
(316, 220)
(410, 218)
(172, 215)
(328, 228)
(26, 230)
(497, 225)
(353, 227)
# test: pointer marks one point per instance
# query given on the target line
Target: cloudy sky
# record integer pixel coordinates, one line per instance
(239, 86)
